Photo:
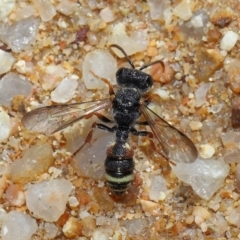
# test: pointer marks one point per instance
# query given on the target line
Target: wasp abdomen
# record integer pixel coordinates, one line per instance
(119, 174)
(119, 167)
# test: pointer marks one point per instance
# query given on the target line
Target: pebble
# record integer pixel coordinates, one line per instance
(208, 175)
(200, 94)
(65, 91)
(7, 60)
(72, 228)
(46, 9)
(103, 65)
(47, 200)
(159, 8)
(207, 151)
(183, 10)
(31, 165)
(158, 185)
(229, 40)
(136, 41)
(150, 207)
(234, 217)
(195, 125)
(21, 35)
(5, 125)
(200, 214)
(51, 230)
(6, 7)
(15, 196)
(162, 93)
(11, 85)
(107, 15)
(233, 73)
(66, 7)
(18, 226)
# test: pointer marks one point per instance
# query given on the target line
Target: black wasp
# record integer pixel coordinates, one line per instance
(127, 106)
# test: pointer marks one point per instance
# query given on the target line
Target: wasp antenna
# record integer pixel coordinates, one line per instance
(152, 63)
(124, 53)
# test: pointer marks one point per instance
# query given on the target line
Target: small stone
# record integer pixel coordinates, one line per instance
(5, 125)
(11, 85)
(46, 9)
(229, 40)
(65, 91)
(18, 226)
(158, 9)
(195, 125)
(88, 226)
(15, 196)
(235, 116)
(201, 93)
(73, 202)
(136, 41)
(158, 185)
(35, 161)
(72, 228)
(202, 213)
(51, 230)
(222, 18)
(21, 35)
(207, 151)
(97, 25)
(6, 7)
(47, 200)
(103, 65)
(208, 175)
(207, 63)
(162, 93)
(107, 14)
(183, 10)
(234, 217)
(66, 7)
(150, 207)
(233, 72)
(7, 60)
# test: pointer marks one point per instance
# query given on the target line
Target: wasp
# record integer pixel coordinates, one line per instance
(128, 105)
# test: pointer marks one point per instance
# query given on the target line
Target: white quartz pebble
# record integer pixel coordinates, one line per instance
(65, 90)
(48, 199)
(103, 65)
(229, 40)
(45, 8)
(207, 151)
(158, 186)
(6, 6)
(5, 125)
(7, 60)
(205, 176)
(107, 14)
(18, 226)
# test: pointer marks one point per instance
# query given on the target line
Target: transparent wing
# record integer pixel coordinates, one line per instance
(175, 145)
(51, 119)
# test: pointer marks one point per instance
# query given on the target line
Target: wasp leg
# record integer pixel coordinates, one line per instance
(141, 133)
(103, 118)
(145, 123)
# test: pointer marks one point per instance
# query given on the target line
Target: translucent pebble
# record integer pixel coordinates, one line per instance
(51, 230)
(205, 176)
(45, 8)
(11, 85)
(5, 125)
(103, 65)
(18, 226)
(7, 60)
(35, 161)
(100, 235)
(48, 199)
(183, 10)
(107, 14)
(20, 35)
(158, 185)
(6, 6)
(66, 7)
(157, 8)
(136, 41)
(65, 90)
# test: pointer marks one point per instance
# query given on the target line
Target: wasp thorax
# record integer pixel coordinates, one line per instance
(127, 77)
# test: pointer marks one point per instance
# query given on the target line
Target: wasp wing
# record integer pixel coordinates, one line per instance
(175, 145)
(51, 119)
